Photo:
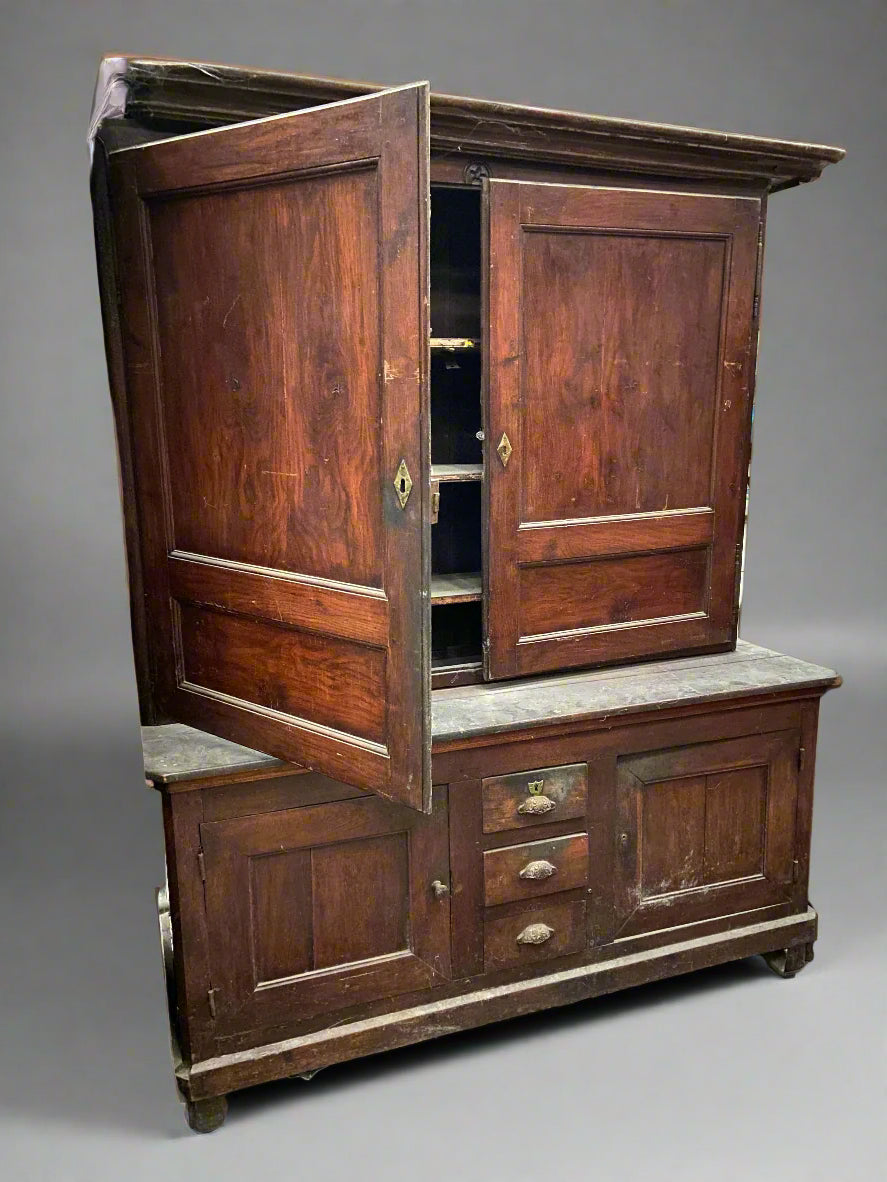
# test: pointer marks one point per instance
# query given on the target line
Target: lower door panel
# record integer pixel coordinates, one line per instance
(704, 830)
(321, 908)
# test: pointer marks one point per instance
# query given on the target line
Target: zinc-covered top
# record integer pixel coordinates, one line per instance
(176, 752)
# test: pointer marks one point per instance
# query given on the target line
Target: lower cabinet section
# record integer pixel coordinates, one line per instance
(302, 909)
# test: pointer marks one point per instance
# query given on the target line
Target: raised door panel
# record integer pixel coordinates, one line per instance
(320, 908)
(705, 831)
(620, 355)
(276, 340)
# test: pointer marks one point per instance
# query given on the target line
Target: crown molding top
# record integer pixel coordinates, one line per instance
(194, 95)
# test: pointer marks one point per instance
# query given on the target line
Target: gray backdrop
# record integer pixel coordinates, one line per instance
(732, 1073)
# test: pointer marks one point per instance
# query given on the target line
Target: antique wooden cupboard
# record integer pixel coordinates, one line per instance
(432, 414)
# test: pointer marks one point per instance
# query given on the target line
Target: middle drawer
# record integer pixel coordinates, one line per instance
(535, 868)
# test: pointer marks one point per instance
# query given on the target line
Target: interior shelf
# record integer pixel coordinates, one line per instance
(456, 588)
(455, 344)
(457, 472)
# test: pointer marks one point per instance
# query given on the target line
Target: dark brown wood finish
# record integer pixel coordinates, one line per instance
(535, 868)
(541, 932)
(540, 796)
(620, 328)
(594, 286)
(320, 907)
(705, 830)
(284, 859)
(281, 572)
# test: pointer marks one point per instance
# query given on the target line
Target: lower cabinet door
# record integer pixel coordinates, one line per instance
(320, 908)
(704, 831)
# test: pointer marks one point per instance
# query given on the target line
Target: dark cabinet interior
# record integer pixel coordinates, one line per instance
(457, 446)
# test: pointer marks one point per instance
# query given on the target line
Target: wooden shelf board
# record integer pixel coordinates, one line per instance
(458, 588)
(450, 473)
(455, 344)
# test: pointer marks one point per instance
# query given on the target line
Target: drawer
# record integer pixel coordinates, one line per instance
(540, 932)
(535, 797)
(535, 868)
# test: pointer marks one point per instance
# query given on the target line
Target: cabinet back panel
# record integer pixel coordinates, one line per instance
(455, 262)
(455, 632)
(280, 299)
(455, 408)
(456, 536)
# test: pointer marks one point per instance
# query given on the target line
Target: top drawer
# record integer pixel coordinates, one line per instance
(535, 797)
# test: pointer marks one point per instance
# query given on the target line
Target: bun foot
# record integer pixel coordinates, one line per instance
(786, 962)
(205, 1116)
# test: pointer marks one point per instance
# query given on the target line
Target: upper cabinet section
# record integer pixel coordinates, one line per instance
(620, 355)
(275, 335)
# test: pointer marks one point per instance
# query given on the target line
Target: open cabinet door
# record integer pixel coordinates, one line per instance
(620, 354)
(274, 283)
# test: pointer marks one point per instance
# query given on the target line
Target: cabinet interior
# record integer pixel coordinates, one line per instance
(456, 446)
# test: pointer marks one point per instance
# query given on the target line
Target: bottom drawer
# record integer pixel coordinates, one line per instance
(534, 933)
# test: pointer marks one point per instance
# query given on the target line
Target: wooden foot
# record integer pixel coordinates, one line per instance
(205, 1116)
(786, 962)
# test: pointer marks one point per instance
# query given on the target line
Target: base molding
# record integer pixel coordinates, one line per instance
(788, 937)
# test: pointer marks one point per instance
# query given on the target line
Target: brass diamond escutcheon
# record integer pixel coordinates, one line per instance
(504, 449)
(403, 483)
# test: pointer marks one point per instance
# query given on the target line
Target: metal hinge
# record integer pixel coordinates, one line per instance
(796, 870)
(211, 999)
(802, 756)
(759, 269)
(201, 863)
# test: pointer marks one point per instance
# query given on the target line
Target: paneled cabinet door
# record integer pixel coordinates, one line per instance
(321, 908)
(705, 831)
(620, 358)
(274, 284)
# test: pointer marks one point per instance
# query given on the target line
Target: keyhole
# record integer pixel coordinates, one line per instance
(403, 485)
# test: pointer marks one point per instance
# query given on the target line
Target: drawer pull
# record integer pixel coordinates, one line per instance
(537, 870)
(536, 806)
(536, 933)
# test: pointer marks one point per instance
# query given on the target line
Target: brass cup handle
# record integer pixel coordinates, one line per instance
(537, 870)
(440, 889)
(536, 933)
(536, 806)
